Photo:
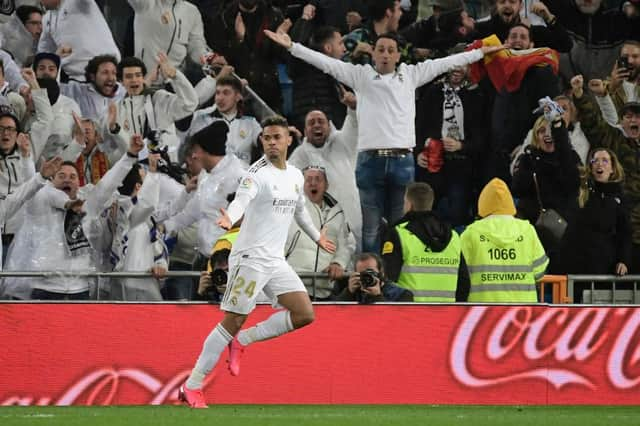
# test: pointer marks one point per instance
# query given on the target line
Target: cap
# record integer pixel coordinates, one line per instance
(46, 55)
(633, 107)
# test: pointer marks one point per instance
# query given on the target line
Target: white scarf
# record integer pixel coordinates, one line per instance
(452, 113)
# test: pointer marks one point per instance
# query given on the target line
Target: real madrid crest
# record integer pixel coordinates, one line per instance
(243, 134)
(125, 125)
(297, 188)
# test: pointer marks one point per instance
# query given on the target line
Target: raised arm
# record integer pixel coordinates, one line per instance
(342, 71)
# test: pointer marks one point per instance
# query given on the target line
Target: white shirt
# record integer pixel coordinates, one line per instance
(269, 197)
(386, 103)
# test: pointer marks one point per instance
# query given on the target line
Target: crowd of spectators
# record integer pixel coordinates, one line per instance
(154, 108)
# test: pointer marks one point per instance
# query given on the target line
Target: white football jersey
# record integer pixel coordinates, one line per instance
(275, 195)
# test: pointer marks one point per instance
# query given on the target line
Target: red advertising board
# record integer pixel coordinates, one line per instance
(63, 354)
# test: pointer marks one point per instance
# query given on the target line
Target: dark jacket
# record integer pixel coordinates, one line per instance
(558, 179)
(435, 234)
(464, 165)
(312, 88)
(627, 150)
(599, 237)
(554, 36)
(254, 59)
(596, 38)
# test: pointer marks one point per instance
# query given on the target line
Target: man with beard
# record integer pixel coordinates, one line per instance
(597, 34)
(624, 140)
(77, 29)
(624, 83)
(507, 14)
(98, 92)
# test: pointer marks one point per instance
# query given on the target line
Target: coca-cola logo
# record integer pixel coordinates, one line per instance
(552, 344)
(103, 387)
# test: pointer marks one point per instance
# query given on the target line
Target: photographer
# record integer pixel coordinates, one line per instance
(213, 281)
(368, 283)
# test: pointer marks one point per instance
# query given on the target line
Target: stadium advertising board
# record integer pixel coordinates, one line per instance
(63, 354)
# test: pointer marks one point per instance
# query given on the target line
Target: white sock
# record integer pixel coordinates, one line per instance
(214, 344)
(274, 326)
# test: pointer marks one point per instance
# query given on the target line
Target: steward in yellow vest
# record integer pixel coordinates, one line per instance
(504, 256)
(422, 253)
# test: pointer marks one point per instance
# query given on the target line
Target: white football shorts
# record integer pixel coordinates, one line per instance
(246, 281)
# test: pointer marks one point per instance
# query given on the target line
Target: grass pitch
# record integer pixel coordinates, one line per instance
(311, 415)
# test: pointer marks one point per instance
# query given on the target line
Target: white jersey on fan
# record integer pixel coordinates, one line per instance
(270, 198)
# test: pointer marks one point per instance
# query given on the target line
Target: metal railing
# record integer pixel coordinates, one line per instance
(629, 294)
(563, 285)
(140, 275)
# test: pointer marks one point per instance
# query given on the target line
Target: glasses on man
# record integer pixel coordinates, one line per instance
(8, 129)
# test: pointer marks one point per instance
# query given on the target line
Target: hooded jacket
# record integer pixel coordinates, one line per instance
(434, 233)
(305, 255)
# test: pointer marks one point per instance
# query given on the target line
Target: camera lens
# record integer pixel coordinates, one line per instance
(219, 277)
(368, 278)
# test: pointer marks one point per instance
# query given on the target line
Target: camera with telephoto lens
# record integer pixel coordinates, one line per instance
(368, 278)
(219, 277)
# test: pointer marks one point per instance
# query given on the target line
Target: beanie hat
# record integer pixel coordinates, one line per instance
(496, 198)
(46, 55)
(213, 138)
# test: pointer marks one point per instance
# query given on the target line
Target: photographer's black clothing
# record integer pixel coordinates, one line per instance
(390, 293)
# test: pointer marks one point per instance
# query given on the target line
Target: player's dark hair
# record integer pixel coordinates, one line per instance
(275, 120)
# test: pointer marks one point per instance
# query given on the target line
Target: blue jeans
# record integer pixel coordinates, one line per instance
(381, 183)
(455, 205)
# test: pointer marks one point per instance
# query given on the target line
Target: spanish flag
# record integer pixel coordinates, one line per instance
(507, 68)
